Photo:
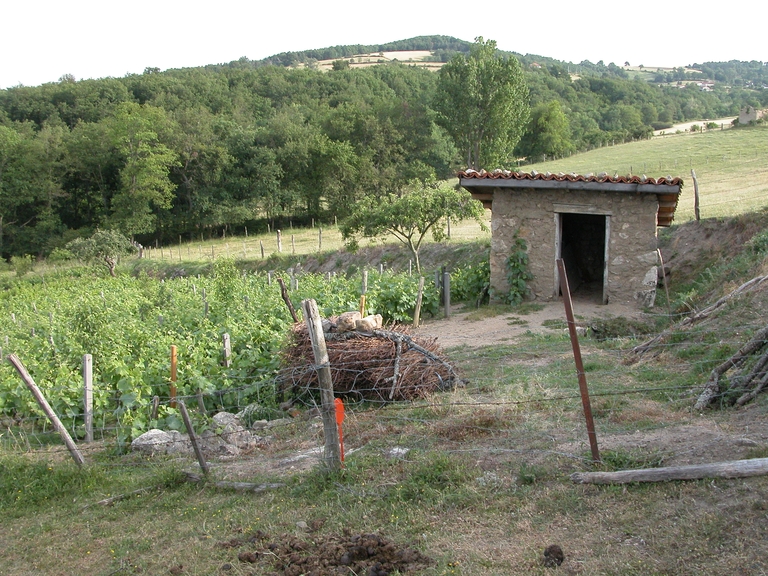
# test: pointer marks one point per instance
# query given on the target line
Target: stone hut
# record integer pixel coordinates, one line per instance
(603, 228)
(750, 114)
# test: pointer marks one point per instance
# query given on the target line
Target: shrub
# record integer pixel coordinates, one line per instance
(22, 264)
(471, 283)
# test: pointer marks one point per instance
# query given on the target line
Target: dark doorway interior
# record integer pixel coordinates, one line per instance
(582, 249)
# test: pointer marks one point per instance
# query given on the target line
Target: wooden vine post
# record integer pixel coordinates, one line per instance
(695, 195)
(88, 396)
(577, 359)
(332, 451)
(46, 408)
(363, 291)
(419, 296)
(173, 376)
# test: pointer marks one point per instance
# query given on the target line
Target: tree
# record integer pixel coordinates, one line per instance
(423, 207)
(482, 100)
(144, 178)
(548, 132)
(105, 246)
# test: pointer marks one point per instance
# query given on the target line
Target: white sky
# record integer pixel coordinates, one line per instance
(41, 40)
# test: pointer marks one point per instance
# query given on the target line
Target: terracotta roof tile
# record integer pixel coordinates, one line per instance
(668, 190)
(572, 177)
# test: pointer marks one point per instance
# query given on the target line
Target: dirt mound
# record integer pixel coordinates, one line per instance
(368, 554)
(693, 246)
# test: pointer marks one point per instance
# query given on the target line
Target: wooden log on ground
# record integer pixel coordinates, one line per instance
(733, 469)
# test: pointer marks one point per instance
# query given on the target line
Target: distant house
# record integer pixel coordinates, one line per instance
(750, 114)
(604, 229)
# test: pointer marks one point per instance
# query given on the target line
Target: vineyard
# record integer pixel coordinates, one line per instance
(128, 325)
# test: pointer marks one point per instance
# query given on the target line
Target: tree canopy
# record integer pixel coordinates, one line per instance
(483, 103)
(423, 207)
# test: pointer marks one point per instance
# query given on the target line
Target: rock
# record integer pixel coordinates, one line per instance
(226, 419)
(160, 442)
(398, 452)
(369, 323)
(279, 422)
(348, 321)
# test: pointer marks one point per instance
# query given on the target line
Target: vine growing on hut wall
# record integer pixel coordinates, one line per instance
(518, 274)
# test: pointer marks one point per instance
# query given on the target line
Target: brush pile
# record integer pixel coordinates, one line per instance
(382, 365)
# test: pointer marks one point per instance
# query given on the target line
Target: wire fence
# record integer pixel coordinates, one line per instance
(510, 399)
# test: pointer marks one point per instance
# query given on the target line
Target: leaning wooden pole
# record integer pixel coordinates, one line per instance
(45, 407)
(577, 359)
(193, 438)
(332, 452)
(287, 299)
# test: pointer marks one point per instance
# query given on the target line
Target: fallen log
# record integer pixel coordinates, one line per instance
(733, 469)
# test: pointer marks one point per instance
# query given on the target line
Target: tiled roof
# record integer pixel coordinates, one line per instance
(572, 177)
(667, 189)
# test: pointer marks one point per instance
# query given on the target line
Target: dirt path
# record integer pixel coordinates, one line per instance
(463, 329)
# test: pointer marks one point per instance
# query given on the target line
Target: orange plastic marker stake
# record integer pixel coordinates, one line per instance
(339, 419)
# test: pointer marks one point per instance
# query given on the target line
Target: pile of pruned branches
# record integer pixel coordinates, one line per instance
(379, 365)
(746, 374)
(741, 377)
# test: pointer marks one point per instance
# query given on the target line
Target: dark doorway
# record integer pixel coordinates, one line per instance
(582, 248)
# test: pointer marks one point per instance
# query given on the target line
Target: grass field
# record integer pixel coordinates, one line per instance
(730, 166)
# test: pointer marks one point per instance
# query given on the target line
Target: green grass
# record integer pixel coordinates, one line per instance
(730, 167)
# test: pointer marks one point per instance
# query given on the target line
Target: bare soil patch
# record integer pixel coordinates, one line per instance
(462, 330)
(328, 555)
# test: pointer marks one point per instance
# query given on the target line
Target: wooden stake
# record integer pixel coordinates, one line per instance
(45, 407)
(417, 311)
(173, 377)
(279, 241)
(666, 287)
(193, 439)
(577, 360)
(447, 292)
(362, 305)
(227, 350)
(695, 195)
(332, 453)
(88, 396)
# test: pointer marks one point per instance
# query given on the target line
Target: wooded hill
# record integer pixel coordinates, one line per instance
(204, 150)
